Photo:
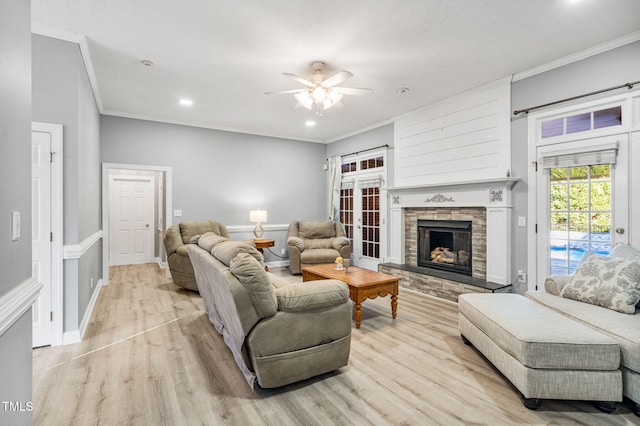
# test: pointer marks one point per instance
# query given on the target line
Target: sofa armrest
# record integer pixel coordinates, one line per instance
(172, 239)
(296, 242)
(312, 295)
(340, 242)
(555, 283)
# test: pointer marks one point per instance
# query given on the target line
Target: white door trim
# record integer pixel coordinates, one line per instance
(168, 194)
(57, 228)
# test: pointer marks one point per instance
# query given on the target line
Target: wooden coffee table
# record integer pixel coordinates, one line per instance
(363, 284)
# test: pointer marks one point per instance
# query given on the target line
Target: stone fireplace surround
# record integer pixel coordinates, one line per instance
(486, 203)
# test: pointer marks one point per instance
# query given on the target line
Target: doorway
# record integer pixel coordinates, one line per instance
(47, 232)
(363, 206)
(136, 204)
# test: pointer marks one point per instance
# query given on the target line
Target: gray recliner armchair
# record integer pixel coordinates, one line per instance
(315, 242)
(175, 238)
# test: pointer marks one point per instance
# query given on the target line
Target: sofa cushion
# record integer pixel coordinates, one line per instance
(624, 329)
(312, 295)
(610, 282)
(327, 255)
(210, 239)
(190, 229)
(227, 250)
(254, 279)
(318, 243)
(316, 229)
(538, 337)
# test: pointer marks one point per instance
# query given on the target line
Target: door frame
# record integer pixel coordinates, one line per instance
(57, 228)
(167, 194)
(535, 142)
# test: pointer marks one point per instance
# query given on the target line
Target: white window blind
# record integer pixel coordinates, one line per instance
(602, 155)
(346, 184)
(370, 183)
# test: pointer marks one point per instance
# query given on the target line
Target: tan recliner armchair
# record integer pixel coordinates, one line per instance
(176, 237)
(314, 242)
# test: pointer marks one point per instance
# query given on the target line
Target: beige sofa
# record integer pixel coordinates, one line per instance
(278, 332)
(175, 238)
(314, 242)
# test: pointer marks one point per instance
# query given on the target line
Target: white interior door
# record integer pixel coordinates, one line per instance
(41, 235)
(131, 219)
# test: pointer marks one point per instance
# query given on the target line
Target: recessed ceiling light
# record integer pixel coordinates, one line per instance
(309, 123)
(402, 90)
(186, 102)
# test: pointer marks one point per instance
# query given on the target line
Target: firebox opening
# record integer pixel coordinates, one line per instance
(445, 244)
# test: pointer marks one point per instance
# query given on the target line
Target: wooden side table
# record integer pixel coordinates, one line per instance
(262, 244)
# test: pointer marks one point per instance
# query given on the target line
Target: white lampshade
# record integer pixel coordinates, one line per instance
(258, 216)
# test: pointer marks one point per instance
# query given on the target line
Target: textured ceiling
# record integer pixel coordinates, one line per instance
(224, 55)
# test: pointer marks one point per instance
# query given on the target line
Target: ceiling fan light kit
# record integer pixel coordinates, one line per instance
(319, 92)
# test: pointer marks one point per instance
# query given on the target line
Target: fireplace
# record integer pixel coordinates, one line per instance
(446, 245)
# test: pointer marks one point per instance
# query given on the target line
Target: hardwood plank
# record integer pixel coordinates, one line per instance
(150, 356)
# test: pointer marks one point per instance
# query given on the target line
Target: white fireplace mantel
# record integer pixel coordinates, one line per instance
(492, 194)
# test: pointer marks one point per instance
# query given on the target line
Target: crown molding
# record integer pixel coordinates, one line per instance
(592, 51)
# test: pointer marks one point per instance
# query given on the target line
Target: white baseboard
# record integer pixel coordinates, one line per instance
(76, 336)
(277, 264)
(161, 264)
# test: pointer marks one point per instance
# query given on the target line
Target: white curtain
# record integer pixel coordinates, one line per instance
(334, 177)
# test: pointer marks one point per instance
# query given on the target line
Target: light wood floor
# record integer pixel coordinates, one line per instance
(151, 357)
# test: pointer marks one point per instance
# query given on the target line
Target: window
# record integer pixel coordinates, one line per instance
(582, 122)
(580, 214)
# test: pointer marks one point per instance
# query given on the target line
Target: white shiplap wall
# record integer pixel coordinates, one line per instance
(460, 139)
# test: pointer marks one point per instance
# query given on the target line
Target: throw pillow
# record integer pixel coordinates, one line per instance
(255, 280)
(624, 250)
(610, 282)
(227, 250)
(210, 239)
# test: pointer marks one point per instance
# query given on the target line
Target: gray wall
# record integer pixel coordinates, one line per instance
(62, 94)
(15, 195)
(222, 175)
(612, 68)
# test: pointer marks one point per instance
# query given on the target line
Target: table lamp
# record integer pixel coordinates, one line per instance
(258, 216)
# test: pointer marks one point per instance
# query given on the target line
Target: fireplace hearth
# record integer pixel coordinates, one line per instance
(445, 245)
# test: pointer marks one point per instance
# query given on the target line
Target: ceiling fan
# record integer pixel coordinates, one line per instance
(320, 92)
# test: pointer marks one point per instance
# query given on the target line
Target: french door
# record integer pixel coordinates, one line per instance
(582, 202)
(362, 207)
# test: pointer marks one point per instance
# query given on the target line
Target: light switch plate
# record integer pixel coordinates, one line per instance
(177, 213)
(15, 226)
(522, 221)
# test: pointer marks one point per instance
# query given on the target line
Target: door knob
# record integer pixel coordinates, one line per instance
(620, 230)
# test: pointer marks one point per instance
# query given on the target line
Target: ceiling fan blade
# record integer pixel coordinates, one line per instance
(352, 91)
(299, 79)
(284, 92)
(337, 78)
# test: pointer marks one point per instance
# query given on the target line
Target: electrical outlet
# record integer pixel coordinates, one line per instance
(282, 252)
(177, 213)
(522, 276)
(15, 226)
